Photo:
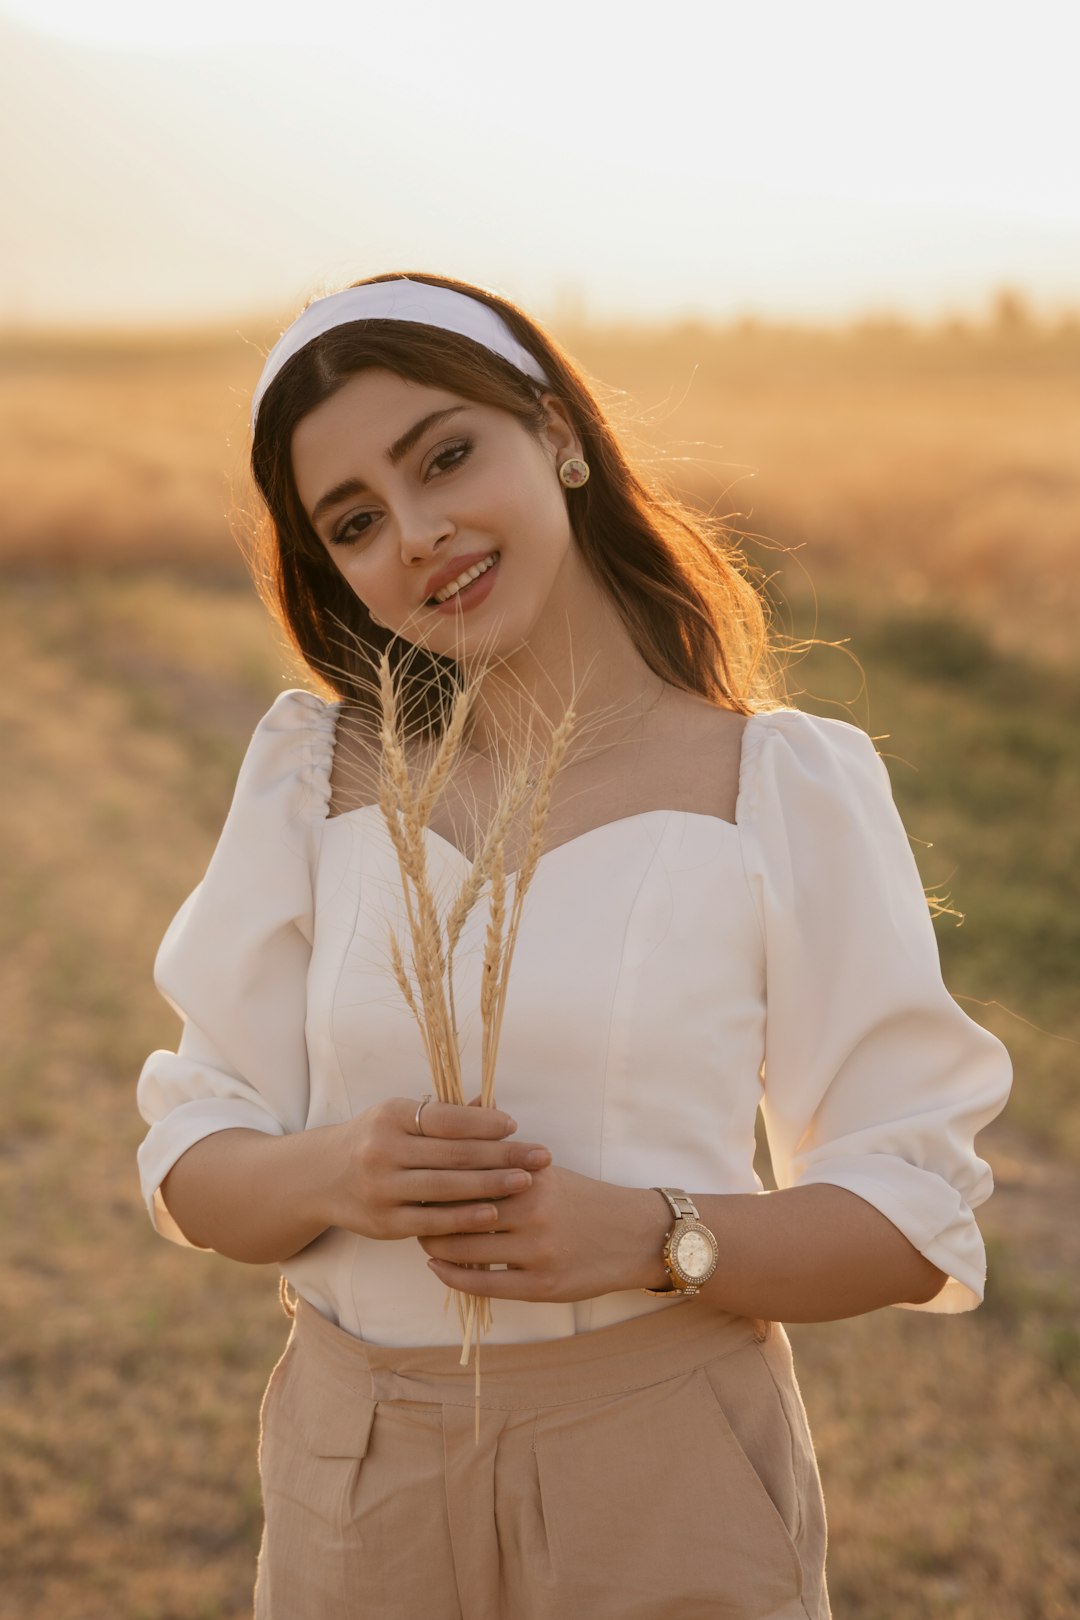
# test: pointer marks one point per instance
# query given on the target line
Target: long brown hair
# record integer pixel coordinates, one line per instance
(675, 578)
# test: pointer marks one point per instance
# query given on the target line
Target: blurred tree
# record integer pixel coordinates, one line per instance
(1011, 314)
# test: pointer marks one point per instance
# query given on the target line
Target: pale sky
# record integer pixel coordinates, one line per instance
(776, 158)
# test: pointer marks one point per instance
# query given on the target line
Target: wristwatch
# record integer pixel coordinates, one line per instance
(690, 1249)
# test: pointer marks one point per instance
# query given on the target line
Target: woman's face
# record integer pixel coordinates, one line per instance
(409, 487)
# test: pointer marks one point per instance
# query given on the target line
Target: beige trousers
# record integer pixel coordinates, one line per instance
(660, 1469)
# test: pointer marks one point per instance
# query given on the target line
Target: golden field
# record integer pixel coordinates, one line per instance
(914, 495)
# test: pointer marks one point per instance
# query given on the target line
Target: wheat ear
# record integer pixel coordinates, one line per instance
(450, 744)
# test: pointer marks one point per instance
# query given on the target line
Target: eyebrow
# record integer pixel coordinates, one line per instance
(396, 453)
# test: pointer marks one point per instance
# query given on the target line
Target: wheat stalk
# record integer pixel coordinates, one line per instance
(433, 939)
(400, 806)
(537, 821)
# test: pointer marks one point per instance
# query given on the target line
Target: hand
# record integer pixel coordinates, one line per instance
(392, 1182)
(565, 1237)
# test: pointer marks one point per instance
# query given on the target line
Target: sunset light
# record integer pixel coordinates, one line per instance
(669, 520)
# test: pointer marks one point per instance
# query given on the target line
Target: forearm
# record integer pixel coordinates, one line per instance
(798, 1254)
(263, 1198)
(253, 1196)
(804, 1254)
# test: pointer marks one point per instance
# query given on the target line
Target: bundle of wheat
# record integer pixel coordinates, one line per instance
(426, 979)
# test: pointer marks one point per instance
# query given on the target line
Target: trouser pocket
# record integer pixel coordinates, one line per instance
(796, 1488)
(314, 1434)
(653, 1507)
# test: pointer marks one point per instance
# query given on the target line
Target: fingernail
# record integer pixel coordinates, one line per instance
(511, 1125)
(487, 1215)
(517, 1178)
(537, 1156)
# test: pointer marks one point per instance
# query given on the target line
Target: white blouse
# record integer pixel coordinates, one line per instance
(673, 973)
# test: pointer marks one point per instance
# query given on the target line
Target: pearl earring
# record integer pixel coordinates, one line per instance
(574, 472)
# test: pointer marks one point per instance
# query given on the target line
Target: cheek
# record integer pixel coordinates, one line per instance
(353, 574)
(541, 517)
(364, 583)
(360, 571)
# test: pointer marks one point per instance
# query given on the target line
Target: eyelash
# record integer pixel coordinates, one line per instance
(460, 451)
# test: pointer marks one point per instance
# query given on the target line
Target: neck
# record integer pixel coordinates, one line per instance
(528, 691)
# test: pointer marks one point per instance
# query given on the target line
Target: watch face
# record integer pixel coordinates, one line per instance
(693, 1254)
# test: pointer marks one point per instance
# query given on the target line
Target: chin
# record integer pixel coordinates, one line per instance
(488, 641)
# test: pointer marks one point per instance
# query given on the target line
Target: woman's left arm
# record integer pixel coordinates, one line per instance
(798, 1254)
(875, 1081)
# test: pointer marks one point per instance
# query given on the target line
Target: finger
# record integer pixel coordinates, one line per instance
(441, 1119)
(429, 1186)
(443, 1220)
(509, 1284)
(474, 1248)
(440, 1153)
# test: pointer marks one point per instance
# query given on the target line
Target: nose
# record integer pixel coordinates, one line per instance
(422, 530)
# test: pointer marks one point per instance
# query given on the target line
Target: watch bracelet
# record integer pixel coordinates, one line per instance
(688, 1219)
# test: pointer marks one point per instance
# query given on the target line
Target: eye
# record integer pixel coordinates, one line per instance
(451, 456)
(352, 529)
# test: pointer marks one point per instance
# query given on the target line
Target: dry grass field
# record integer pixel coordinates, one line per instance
(914, 495)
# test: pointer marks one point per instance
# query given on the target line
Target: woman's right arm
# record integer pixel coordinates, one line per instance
(262, 1198)
(229, 1162)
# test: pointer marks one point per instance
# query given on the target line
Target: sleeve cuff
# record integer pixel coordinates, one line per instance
(929, 1212)
(168, 1140)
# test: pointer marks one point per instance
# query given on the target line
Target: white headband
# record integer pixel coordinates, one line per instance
(399, 300)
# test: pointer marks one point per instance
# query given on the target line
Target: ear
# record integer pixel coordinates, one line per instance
(558, 433)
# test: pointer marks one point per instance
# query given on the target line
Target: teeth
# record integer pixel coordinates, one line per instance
(462, 580)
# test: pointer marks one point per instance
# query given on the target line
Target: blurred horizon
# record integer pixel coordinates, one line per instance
(1007, 311)
(223, 165)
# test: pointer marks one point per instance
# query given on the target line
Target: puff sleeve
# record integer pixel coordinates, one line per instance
(234, 960)
(874, 1078)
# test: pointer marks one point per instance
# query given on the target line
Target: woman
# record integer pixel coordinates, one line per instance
(726, 915)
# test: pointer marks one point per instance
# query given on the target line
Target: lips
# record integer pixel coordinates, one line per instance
(453, 570)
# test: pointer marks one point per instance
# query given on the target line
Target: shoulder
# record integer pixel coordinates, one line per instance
(810, 733)
(788, 752)
(296, 712)
(259, 875)
(817, 815)
(290, 755)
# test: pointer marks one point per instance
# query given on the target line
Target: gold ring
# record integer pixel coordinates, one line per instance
(425, 1099)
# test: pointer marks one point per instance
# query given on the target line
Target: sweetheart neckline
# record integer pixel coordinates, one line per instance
(567, 843)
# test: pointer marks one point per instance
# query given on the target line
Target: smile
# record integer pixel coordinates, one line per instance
(464, 579)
